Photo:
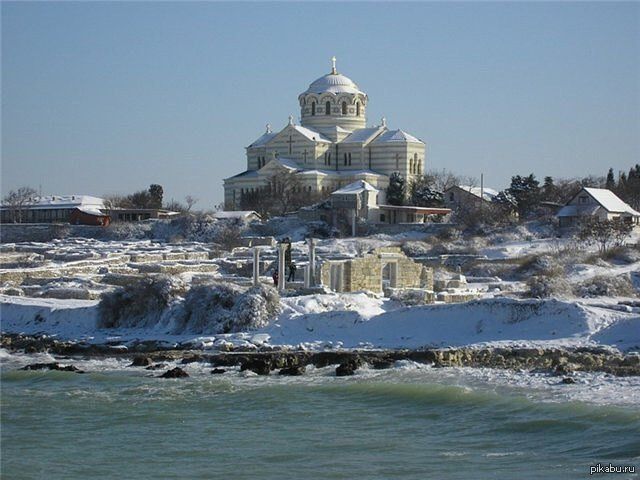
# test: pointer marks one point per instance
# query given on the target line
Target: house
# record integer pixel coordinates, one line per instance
(246, 216)
(377, 271)
(51, 209)
(461, 195)
(599, 203)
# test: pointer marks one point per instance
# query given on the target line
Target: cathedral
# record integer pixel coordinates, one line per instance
(332, 147)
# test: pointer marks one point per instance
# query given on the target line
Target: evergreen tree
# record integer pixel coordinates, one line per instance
(155, 195)
(526, 193)
(397, 189)
(423, 194)
(611, 181)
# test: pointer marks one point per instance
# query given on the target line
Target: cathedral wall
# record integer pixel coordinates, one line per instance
(394, 157)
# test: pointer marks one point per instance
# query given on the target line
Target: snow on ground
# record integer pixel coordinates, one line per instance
(359, 320)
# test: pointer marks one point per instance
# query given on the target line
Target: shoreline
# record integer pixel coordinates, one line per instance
(555, 361)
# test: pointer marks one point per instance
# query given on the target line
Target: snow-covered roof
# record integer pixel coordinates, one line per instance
(340, 173)
(242, 214)
(363, 135)
(489, 193)
(333, 83)
(245, 174)
(610, 201)
(311, 134)
(63, 201)
(285, 162)
(358, 186)
(575, 210)
(90, 210)
(263, 140)
(397, 136)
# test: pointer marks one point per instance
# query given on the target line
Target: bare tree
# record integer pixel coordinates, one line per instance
(17, 200)
(190, 201)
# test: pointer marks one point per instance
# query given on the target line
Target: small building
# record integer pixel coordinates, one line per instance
(89, 216)
(409, 213)
(139, 214)
(460, 196)
(599, 203)
(381, 269)
(50, 209)
(245, 216)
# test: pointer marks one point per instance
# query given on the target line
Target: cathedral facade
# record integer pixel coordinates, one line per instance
(332, 147)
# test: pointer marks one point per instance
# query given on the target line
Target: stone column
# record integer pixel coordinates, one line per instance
(353, 223)
(307, 276)
(281, 266)
(312, 262)
(256, 266)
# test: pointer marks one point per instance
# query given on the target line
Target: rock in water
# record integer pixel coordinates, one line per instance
(218, 371)
(157, 366)
(174, 373)
(52, 366)
(140, 361)
(257, 365)
(568, 380)
(346, 369)
(293, 371)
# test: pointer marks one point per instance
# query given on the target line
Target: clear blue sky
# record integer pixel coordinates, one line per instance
(102, 98)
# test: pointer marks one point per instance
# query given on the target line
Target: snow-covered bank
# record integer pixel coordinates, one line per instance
(359, 320)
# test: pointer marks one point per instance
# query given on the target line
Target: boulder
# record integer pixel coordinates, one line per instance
(174, 373)
(293, 371)
(52, 366)
(157, 366)
(346, 369)
(261, 366)
(218, 371)
(141, 361)
(567, 381)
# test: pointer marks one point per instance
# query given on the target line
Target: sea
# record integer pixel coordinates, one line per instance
(407, 422)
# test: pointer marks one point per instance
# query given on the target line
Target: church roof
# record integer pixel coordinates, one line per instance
(263, 140)
(397, 136)
(311, 134)
(356, 187)
(363, 135)
(340, 173)
(333, 83)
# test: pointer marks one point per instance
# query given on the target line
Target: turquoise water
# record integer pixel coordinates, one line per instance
(406, 423)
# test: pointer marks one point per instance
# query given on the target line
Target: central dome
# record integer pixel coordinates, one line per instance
(333, 83)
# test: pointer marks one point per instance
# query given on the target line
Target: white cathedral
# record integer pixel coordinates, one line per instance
(331, 148)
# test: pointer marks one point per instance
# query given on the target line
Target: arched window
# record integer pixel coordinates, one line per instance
(410, 166)
(349, 158)
(327, 108)
(344, 108)
(357, 109)
(313, 108)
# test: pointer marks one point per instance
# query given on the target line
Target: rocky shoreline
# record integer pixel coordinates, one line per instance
(151, 355)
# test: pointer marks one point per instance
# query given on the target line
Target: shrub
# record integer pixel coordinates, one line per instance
(606, 286)
(542, 286)
(138, 304)
(226, 308)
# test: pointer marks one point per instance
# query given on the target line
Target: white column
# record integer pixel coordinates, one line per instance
(256, 266)
(281, 267)
(307, 279)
